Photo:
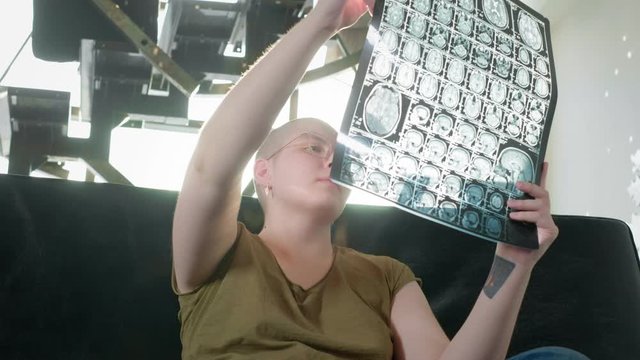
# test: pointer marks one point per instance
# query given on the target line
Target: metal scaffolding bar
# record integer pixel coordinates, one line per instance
(156, 56)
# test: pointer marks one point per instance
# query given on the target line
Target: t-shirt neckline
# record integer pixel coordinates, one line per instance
(297, 289)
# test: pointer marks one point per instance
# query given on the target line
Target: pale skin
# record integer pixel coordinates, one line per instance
(302, 203)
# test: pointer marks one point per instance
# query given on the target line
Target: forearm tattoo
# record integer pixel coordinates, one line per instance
(500, 271)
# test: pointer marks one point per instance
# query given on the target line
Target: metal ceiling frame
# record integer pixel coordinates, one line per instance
(154, 53)
(98, 106)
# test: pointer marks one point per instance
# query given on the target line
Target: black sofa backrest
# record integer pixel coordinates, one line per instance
(85, 273)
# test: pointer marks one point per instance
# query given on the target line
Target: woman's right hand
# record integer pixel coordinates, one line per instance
(336, 15)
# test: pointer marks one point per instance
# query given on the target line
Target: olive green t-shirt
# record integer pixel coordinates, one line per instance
(250, 310)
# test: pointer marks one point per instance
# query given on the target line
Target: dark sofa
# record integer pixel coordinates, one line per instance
(85, 273)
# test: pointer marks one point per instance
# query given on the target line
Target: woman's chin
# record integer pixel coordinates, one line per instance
(330, 205)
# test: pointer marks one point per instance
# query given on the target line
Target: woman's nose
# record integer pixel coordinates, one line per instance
(328, 160)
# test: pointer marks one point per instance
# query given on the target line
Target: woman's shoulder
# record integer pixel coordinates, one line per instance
(381, 269)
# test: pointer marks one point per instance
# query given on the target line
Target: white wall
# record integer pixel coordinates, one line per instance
(596, 128)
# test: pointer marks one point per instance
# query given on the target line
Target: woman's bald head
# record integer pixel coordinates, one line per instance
(280, 136)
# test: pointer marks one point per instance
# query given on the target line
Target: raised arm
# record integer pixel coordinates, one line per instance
(204, 224)
(487, 332)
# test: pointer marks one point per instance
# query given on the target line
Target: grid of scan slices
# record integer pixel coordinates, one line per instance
(452, 110)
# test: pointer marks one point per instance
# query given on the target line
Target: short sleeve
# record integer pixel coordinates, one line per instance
(401, 275)
(219, 271)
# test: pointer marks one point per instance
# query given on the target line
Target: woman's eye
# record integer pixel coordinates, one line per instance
(314, 148)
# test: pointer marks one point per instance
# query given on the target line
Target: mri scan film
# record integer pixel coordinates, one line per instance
(451, 106)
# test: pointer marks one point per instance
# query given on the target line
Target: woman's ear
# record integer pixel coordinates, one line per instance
(261, 173)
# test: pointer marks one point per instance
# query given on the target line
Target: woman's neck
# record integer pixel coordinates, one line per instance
(297, 236)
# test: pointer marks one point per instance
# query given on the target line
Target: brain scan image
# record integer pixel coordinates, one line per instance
(496, 201)
(412, 141)
(420, 115)
(474, 194)
(480, 168)
(493, 118)
(496, 12)
(518, 101)
(530, 32)
(523, 56)
(377, 182)
(459, 159)
(461, 47)
(505, 45)
(422, 6)
(435, 150)
(498, 92)
(452, 185)
(411, 51)
(487, 143)
(470, 219)
(465, 133)
(407, 166)
(503, 66)
(382, 156)
(456, 71)
(468, 5)
(493, 226)
(435, 61)
(485, 34)
(448, 211)
(542, 87)
(482, 57)
(536, 112)
(382, 66)
(444, 13)
(401, 192)
(417, 26)
(395, 15)
(382, 110)
(472, 106)
(439, 36)
(541, 66)
(429, 176)
(514, 125)
(353, 172)
(442, 125)
(405, 76)
(477, 82)
(522, 77)
(424, 201)
(532, 135)
(429, 86)
(450, 96)
(388, 41)
(465, 24)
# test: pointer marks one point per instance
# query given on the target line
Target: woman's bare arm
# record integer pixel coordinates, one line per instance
(204, 224)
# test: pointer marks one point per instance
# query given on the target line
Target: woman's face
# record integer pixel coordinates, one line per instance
(300, 169)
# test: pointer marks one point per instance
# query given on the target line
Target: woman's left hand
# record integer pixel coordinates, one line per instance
(537, 211)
